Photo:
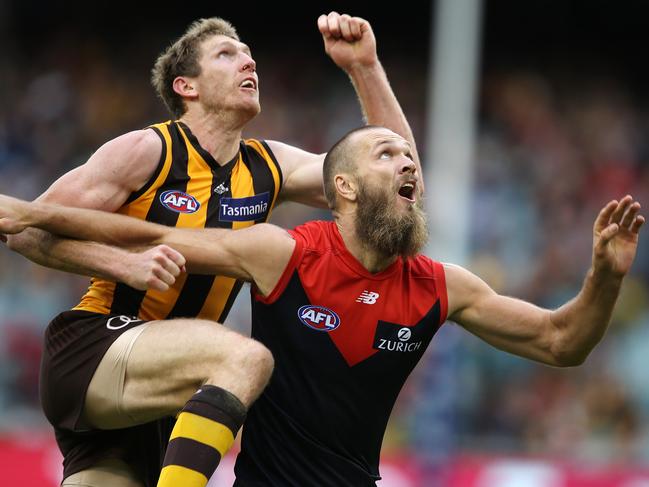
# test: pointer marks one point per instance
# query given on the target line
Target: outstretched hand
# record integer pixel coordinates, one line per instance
(349, 41)
(615, 236)
(156, 268)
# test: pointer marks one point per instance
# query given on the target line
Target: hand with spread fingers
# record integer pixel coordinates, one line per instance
(349, 41)
(615, 237)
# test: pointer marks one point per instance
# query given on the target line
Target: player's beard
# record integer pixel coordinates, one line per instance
(378, 227)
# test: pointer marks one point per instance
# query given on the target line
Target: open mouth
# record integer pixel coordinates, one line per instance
(249, 84)
(407, 191)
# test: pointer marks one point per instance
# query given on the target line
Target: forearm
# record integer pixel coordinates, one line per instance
(202, 248)
(74, 256)
(582, 322)
(97, 226)
(379, 103)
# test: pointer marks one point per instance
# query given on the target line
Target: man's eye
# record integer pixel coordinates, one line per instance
(385, 155)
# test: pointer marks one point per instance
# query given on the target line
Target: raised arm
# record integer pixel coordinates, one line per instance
(257, 254)
(104, 182)
(565, 336)
(350, 43)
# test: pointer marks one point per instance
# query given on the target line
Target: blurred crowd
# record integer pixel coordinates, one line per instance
(552, 149)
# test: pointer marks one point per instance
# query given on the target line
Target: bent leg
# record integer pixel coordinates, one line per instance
(165, 363)
(152, 370)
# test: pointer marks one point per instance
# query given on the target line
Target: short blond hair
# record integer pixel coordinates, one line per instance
(182, 59)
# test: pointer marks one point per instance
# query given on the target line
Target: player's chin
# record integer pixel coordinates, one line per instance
(250, 107)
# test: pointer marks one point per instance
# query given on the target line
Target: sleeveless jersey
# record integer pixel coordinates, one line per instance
(190, 189)
(344, 341)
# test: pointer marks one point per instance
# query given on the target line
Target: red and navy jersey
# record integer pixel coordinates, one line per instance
(344, 341)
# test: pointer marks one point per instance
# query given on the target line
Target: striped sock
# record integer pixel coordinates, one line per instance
(204, 432)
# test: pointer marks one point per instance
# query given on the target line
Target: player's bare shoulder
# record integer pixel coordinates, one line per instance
(132, 157)
(118, 168)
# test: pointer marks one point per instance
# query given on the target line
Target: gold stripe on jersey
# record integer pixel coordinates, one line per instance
(259, 147)
(199, 186)
(140, 206)
(217, 297)
(98, 296)
(242, 187)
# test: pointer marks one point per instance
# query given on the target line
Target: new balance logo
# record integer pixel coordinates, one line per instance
(367, 297)
(221, 188)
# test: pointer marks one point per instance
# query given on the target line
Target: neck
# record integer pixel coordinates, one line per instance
(217, 133)
(373, 260)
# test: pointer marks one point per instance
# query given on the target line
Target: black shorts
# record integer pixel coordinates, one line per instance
(75, 343)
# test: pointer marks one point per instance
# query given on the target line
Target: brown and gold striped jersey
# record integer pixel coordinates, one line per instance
(190, 189)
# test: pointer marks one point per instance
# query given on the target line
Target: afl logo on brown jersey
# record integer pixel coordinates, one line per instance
(179, 202)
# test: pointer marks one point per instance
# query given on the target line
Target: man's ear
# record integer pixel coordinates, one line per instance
(346, 187)
(185, 87)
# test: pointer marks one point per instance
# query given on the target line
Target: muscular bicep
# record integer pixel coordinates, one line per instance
(302, 172)
(104, 182)
(509, 324)
(256, 254)
(118, 168)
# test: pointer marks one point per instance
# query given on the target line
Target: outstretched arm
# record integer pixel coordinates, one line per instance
(350, 43)
(565, 336)
(258, 254)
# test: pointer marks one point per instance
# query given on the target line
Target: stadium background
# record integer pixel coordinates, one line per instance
(562, 126)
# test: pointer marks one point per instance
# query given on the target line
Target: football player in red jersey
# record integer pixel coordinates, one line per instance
(341, 357)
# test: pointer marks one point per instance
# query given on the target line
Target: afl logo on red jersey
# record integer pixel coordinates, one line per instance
(318, 317)
(179, 202)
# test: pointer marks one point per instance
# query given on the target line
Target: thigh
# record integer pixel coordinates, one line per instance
(103, 406)
(75, 343)
(164, 365)
(107, 473)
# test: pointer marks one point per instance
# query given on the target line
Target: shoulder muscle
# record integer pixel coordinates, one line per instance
(119, 167)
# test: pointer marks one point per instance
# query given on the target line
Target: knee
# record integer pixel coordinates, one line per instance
(255, 361)
(18, 242)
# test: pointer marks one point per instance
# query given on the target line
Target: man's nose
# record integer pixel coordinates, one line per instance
(408, 165)
(249, 64)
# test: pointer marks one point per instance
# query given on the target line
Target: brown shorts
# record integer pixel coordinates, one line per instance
(75, 344)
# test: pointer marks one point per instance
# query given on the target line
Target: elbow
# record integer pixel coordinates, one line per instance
(567, 354)
(569, 359)
(28, 240)
(568, 344)
(18, 242)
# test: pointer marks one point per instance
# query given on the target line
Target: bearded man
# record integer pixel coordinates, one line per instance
(348, 307)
